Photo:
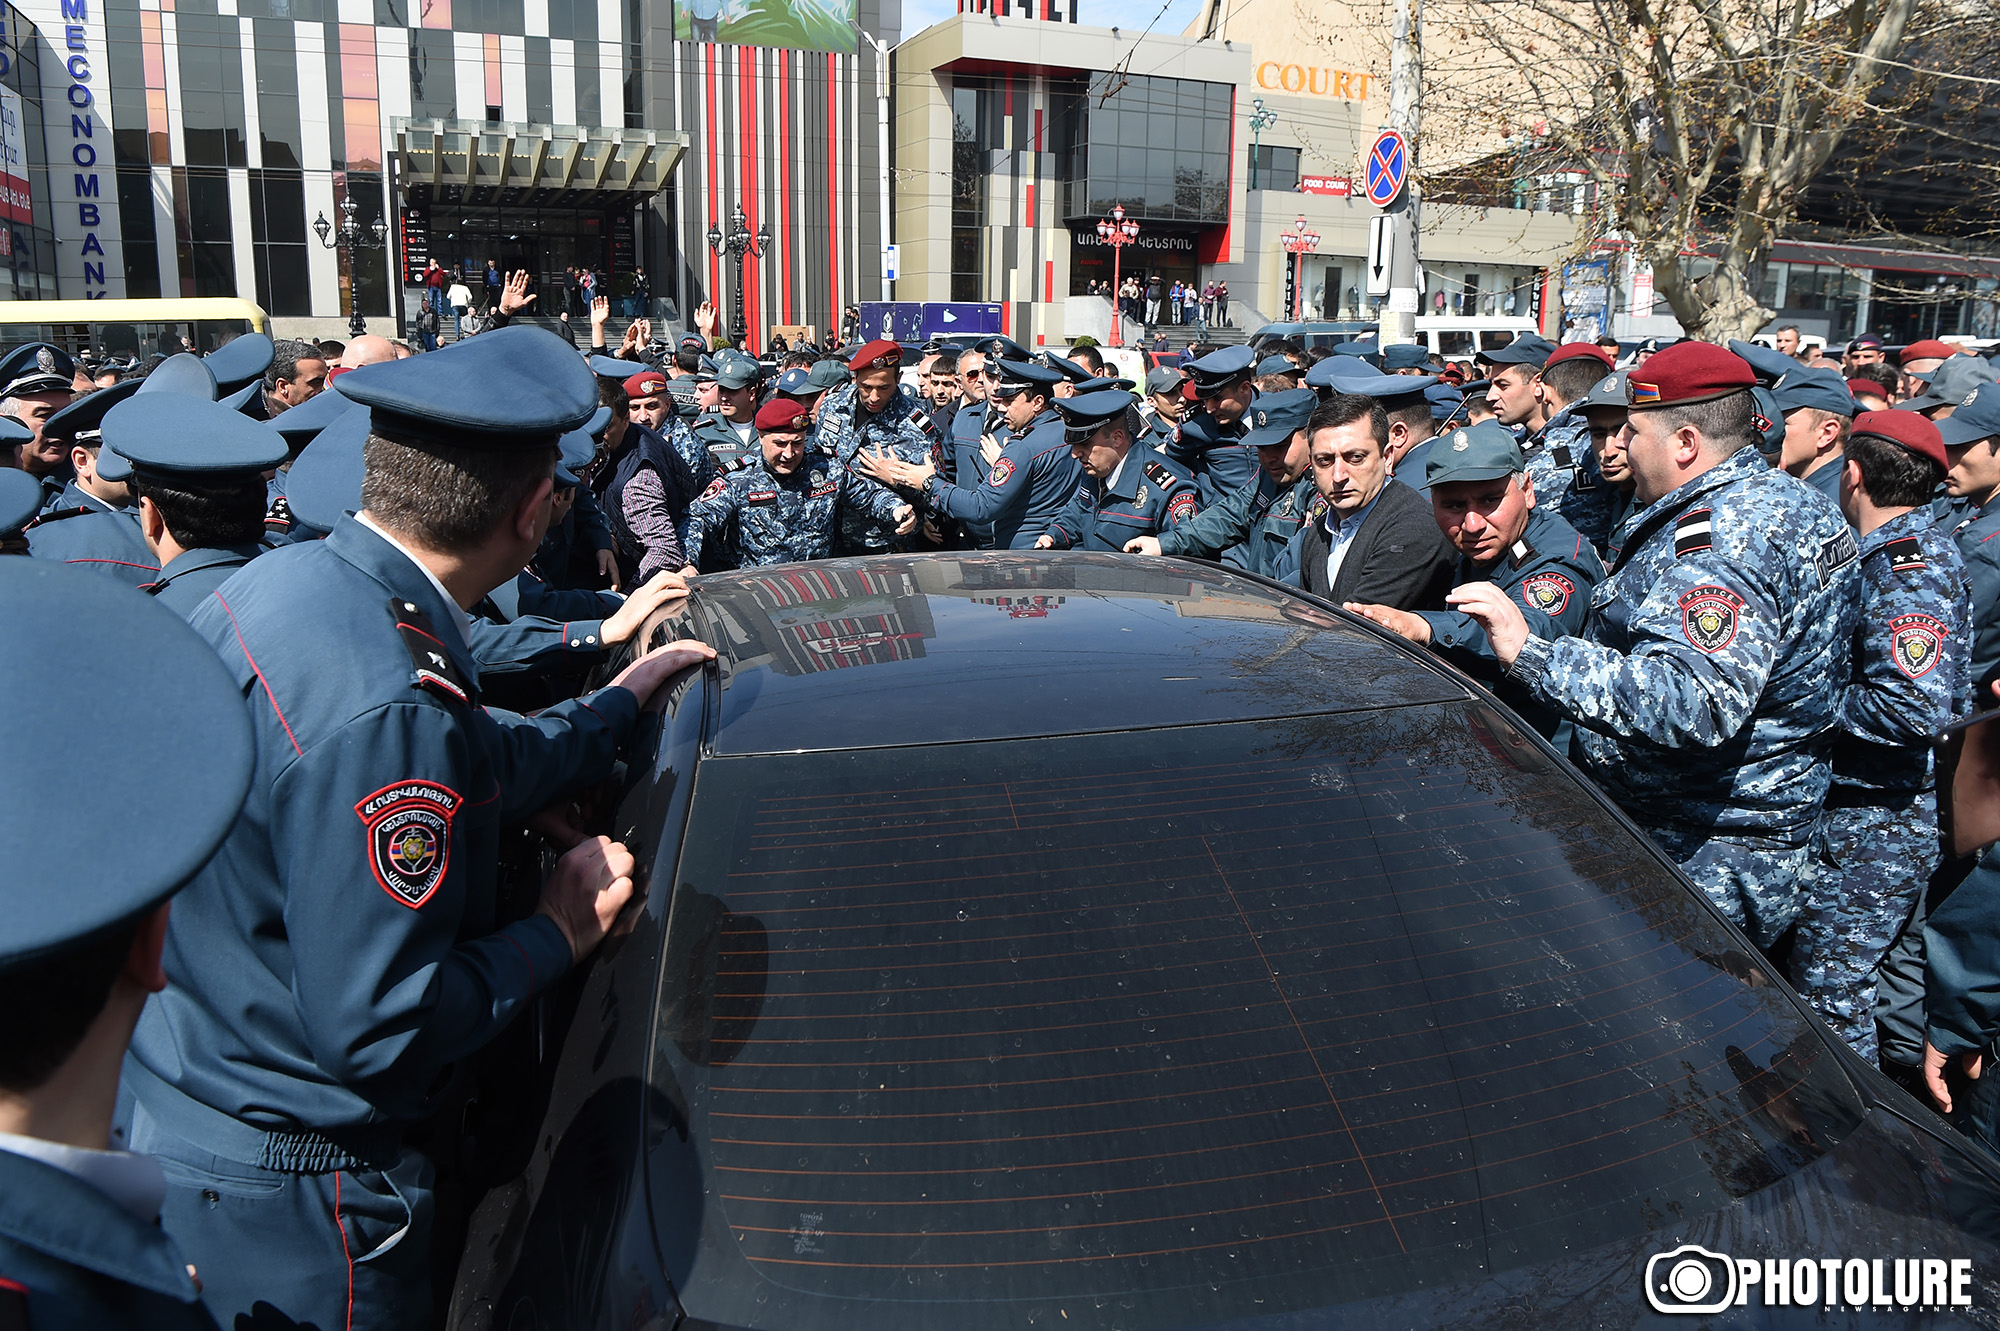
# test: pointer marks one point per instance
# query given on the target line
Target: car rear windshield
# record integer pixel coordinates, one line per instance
(1191, 1024)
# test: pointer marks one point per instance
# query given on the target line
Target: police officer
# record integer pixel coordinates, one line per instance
(1029, 481)
(1165, 402)
(197, 471)
(125, 694)
(788, 506)
(93, 523)
(341, 951)
(1485, 504)
(1604, 409)
(1569, 482)
(298, 426)
(1255, 522)
(1704, 686)
(36, 381)
(20, 501)
(1817, 411)
(1877, 843)
(1209, 443)
(1971, 437)
(1128, 491)
(726, 387)
(873, 413)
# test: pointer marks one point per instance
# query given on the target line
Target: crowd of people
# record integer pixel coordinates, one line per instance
(1745, 594)
(1151, 300)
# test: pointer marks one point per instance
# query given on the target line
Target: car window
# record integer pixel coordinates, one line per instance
(1494, 339)
(1455, 342)
(1192, 1024)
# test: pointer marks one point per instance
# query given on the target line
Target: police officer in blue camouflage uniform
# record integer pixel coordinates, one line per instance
(1488, 510)
(342, 950)
(726, 387)
(1128, 490)
(1705, 685)
(872, 415)
(1877, 843)
(197, 470)
(1255, 523)
(1971, 437)
(790, 505)
(1209, 443)
(1029, 482)
(93, 523)
(126, 693)
(1563, 464)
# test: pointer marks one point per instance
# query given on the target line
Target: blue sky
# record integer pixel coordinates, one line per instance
(920, 14)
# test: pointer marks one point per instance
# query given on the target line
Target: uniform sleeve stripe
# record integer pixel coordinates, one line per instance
(258, 671)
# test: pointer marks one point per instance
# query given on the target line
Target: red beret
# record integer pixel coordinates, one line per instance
(1575, 350)
(1868, 386)
(646, 383)
(1907, 429)
(1688, 372)
(781, 415)
(880, 354)
(1928, 349)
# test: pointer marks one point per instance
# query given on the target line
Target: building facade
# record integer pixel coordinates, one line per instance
(203, 139)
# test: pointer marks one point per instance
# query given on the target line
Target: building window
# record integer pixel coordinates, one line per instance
(1272, 167)
(1157, 146)
(974, 124)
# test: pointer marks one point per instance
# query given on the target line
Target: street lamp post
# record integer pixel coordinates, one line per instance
(1298, 243)
(738, 243)
(351, 236)
(1261, 119)
(1117, 231)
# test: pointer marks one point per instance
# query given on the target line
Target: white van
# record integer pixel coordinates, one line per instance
(1463, 336)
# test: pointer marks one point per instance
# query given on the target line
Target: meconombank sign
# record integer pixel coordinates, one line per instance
(76, 127)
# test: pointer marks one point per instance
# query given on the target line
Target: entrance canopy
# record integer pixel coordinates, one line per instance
(537, 166)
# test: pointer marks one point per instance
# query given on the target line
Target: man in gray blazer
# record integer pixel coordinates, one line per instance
(1376, 542)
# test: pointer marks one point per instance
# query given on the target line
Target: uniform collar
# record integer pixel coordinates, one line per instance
(1124, 478)
(1913, 523)
(52, 1211)
(192, 561)
(451, 608)
(1745, 462)
(75, 496)
(133, 1181)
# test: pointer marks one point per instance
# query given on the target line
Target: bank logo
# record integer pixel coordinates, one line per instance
(1691, 1279)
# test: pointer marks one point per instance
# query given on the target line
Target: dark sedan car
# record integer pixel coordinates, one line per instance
(1085, 941)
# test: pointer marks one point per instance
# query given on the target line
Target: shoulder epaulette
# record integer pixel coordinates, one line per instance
(1906, 554)
(434, 666)
(1157, 473)
(1520, 552)
(279, 517)
(57, 515)
(1693, 532)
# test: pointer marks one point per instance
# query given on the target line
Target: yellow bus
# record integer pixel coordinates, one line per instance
(135, 328)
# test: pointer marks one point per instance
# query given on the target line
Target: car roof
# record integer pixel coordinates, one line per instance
(955, 647)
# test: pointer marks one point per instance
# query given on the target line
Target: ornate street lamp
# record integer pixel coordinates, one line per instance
(1117, 231)
(1298, 243)
(737, 243)
(1260, 120)
(353, 237)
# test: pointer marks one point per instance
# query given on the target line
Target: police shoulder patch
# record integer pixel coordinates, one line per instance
(715, 487)
(1181, 507)
(435, 669)
(1906, 555)
(1835, 553)
(1002, 471)
(409, 837)
(1561, 456)
(1693, 532)
(1916, 642)
(1710, 616)
(1548, 592)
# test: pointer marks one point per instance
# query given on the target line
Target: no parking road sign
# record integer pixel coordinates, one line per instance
(1386, 167)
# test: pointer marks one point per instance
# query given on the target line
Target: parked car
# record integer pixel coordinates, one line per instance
(1317, 333)
(1090, 941)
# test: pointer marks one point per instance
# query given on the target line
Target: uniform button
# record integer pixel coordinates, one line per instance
(211, 1196)
(574, 643)
(590, 640)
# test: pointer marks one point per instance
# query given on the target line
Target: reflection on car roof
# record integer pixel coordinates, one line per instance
(862, 653)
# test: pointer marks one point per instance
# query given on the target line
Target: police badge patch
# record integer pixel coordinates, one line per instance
(1181, 507)
(409, 837)
(1916, 642)
(1709, 616)
(1002, 470)
(715, 487)
(1548, 592)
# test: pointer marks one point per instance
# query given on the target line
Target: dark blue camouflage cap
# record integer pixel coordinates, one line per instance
(515, 387)
(1527, 349)
(1483, 452)
(185, 373)
(20, 499)
(197, 442)
(38, 367)
(124, 690)
(241, 360)
(1824, 390)
(1275, 417)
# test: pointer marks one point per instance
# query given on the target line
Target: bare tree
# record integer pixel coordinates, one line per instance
(1698, 124)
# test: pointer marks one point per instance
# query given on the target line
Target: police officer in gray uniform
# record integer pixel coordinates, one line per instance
(1877, 843)
(1128, 490)
(127, 695)
(343, 950)
(789, 505)
(1705, 685)
(1487, 508)
(1255, 523)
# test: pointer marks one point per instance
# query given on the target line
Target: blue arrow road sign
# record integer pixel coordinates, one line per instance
(1387, 167)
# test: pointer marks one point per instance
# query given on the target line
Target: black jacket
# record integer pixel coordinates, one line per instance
(1398, 558)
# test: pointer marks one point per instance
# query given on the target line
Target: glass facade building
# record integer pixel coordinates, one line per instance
(27, 240)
